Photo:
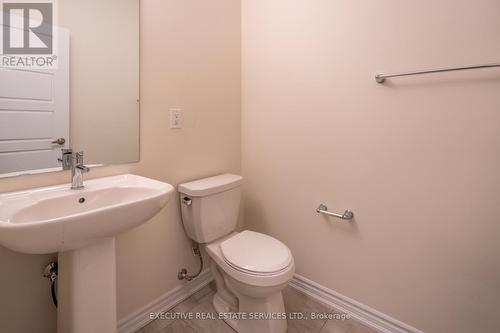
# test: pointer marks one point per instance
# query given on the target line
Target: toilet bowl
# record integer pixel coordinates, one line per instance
(250, 269)
(256, 282)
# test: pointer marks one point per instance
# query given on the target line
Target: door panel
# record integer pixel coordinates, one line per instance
(16, 161)
(22, 84)
(26, 125)
(34, 112)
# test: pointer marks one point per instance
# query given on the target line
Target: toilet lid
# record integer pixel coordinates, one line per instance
(255, 252)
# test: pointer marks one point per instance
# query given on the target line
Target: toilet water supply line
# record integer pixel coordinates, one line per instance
(183, 273)
(50, 272)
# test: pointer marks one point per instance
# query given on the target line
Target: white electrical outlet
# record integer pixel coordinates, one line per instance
(175, 118)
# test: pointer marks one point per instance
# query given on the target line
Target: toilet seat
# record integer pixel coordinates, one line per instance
(256, 279)
(255, 253)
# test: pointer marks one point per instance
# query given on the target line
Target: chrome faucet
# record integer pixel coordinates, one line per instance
(74, 162)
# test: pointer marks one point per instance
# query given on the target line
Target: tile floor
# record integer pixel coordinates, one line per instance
(295, 302)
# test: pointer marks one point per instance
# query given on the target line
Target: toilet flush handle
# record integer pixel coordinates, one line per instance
(187, 201)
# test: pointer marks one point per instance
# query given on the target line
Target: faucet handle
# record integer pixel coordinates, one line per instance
(79, 162)
(83, 168)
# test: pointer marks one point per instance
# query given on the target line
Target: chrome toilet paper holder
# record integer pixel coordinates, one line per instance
(323, 209)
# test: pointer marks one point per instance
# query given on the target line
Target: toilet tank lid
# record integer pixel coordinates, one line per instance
(211, 185)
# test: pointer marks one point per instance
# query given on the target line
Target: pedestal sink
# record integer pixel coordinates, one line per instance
(81, 226)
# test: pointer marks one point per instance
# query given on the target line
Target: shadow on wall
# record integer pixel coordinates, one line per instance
(27, 293)
(342, 226)
(255, 215)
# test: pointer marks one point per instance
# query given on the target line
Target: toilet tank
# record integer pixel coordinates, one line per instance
(210, 206)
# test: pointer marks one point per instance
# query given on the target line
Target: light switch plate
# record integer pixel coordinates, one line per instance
(176, 118)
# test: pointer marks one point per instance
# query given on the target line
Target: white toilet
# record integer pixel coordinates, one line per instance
(250, 269)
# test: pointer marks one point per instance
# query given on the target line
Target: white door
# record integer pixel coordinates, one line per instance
(34, 112)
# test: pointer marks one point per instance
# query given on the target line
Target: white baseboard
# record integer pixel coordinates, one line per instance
(140, 318)
(370, 317)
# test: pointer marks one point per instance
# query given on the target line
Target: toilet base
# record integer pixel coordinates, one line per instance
(247, 314)
(256, 314)
(222, 307)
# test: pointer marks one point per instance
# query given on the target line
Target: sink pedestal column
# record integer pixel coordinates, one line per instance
(87, 289)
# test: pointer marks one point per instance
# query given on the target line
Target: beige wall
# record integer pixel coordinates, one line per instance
(190, 58)
(25, 305)
(416, 159)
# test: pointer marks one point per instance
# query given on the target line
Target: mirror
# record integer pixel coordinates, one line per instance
(69, 78)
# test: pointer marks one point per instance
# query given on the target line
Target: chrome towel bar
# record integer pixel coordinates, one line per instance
(323, 209)
(380, 78)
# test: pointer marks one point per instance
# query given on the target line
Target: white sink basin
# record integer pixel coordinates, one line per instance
(57, 219)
